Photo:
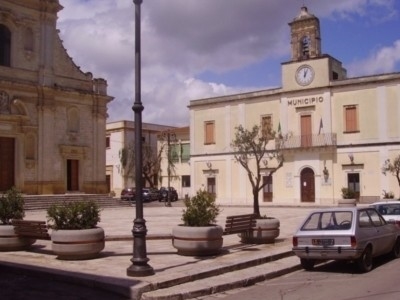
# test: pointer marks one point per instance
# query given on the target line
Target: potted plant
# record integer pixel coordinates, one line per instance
(348, 197)
(12, 207)
(265, 231)
(75, 234)
(198, 235)
(387, 195)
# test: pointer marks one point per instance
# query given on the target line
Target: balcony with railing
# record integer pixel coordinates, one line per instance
(306, 141)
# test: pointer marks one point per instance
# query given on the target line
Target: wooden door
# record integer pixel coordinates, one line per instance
(353, 183)
(306, 131)
(267, 190)
(211, 186)
(72, 175)
(307, 182)
(108, 182)
(7, 157)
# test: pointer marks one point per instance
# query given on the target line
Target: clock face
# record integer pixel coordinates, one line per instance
(304, 75)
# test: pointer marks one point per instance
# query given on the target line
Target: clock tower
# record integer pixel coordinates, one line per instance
(308, 67)
(305, 36)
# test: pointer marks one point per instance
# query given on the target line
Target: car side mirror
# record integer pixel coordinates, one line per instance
(391, 221)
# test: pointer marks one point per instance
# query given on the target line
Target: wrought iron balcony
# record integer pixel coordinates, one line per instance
(306, 141)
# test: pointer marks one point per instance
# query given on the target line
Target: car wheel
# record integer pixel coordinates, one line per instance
(396, 249)
(307, 264)
(364, 263)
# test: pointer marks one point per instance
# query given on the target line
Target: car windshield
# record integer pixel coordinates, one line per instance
(330, 220)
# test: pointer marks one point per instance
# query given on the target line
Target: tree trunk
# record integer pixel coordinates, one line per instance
(256, 206)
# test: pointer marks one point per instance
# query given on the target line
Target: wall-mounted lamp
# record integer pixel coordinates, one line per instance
(351, 157)
(265, 162)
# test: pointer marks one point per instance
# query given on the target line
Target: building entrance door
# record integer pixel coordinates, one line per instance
(7, 158)
(72, 175)
(307, 182)
(211, 186)
(267, 190)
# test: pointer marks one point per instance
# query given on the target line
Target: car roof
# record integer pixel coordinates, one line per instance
(386, 202)
(353, 209)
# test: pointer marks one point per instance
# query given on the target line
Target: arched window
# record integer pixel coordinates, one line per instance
(5, 46)
(305, 46)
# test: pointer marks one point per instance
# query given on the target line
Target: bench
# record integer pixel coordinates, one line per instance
(239, 224)
(31, 229)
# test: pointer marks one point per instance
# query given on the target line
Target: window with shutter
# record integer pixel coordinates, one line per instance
(209, 132)
(351, 124)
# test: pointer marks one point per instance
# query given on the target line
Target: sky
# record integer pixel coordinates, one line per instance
(194, 49)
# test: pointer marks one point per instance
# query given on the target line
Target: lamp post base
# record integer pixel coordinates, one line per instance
(140, 270)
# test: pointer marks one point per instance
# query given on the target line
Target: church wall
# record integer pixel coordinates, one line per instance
(43, 86)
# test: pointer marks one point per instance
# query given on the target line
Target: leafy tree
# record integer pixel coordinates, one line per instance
(251, 151)
(151, 162)
(392, 168)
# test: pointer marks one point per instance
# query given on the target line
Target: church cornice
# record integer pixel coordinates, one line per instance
(51, 6)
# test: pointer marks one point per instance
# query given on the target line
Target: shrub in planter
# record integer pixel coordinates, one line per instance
(266, 230)
(201, 210)
(199, 235)
(75, 235)
(12, 207)
(387, 195)
(73, 215)
(348, 197)
(348, 193)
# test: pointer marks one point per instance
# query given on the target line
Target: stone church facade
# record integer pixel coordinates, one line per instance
(338, 131)
(52, 115)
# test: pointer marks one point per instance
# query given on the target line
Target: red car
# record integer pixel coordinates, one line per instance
(128, 194)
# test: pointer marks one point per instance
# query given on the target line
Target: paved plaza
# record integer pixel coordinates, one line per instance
(108, 272)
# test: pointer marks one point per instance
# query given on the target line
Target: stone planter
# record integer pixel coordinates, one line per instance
(347, 202)
(9, 241)
(197, 241)
(265, 232)
(77, 244)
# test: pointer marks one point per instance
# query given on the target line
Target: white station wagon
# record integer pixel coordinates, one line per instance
(345, 233)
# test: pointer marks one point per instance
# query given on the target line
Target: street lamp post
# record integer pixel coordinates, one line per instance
(170, 136)
(140, 266)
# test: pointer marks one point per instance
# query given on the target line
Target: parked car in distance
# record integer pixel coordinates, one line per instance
(128, 194)
(152, 194)
(164, 194)
(148, 194)
(355, 234)
(390, 210)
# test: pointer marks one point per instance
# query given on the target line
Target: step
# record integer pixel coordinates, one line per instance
(226, 281)
(44, 201)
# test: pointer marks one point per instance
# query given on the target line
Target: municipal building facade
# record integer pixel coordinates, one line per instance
(338, 130)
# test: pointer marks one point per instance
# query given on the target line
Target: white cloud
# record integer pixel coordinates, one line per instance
(180, 40)
(383, 60)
